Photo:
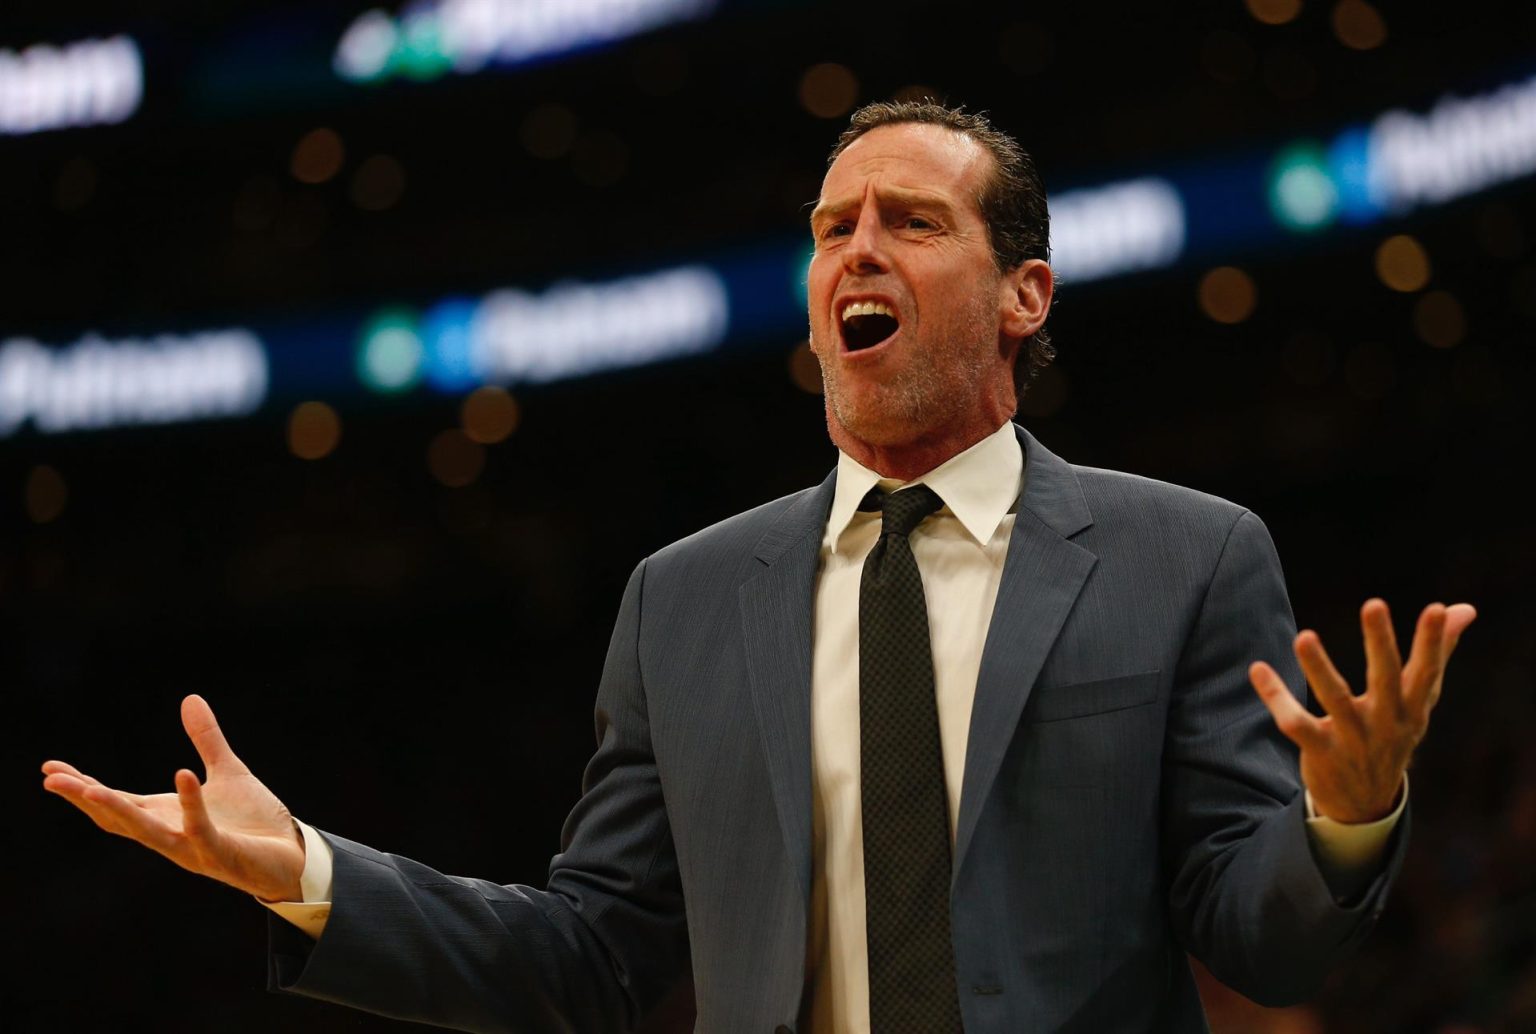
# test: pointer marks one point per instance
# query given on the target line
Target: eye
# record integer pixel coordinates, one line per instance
(837, 230)
(918, 222)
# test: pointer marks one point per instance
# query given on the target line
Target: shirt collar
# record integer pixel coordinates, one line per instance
(979, 486)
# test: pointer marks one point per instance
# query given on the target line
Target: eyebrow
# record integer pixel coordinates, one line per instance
(895, 196)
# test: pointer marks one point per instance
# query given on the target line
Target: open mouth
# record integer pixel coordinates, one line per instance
(867, 324)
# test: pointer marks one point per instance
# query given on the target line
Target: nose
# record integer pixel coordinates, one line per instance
(865, 251)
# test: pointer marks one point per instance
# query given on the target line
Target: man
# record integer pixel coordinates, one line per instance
(985, 760)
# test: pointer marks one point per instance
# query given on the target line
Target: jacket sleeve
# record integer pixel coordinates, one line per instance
(1246, 895)
(592, 952)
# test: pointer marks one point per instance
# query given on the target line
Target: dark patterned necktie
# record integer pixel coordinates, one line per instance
(906, 810)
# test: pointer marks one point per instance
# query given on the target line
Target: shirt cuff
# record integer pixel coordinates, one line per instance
(311, 914)
(1353, 847)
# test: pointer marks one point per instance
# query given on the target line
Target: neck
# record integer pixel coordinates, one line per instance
(906, 461)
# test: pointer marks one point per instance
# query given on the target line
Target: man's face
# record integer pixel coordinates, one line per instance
(900, 239)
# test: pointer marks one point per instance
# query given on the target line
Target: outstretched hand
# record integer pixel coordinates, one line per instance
(1353, 757)
(231, 828)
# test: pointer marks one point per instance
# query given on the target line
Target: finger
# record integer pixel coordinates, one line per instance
(203, 730)
(1458, 616)
(65, 768)
(195, 820)
(1290, 717)
(73, 791)
(129, 820)
(1427, 661)
(1383, 661)
(73, 784)
(137, 824)
(66, 784)
(1326, 682)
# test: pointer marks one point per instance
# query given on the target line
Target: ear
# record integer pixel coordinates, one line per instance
(1026, 298)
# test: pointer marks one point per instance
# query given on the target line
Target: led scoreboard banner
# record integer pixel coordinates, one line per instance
(86, 83)
(750, 297)
(435, 37)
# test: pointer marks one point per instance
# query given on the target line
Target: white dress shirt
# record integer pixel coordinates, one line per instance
(960, 552)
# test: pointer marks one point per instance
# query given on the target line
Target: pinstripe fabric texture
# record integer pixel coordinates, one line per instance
(1126, 797)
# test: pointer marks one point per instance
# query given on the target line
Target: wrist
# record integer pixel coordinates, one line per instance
(1357, 815)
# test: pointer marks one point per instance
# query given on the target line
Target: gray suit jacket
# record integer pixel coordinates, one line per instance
(1126, 796)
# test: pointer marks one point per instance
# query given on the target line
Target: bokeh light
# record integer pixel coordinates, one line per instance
(454, 460)
(368, 47)
(1402, 263)
(318, 156)
(489, 414)
(390, 355)
(378, 183)
(1358, 25)
(45, 494)
(1302, 192)
(1227, 294)
(314, 430)
(828, 90)
(476, 263)
(1274, 12)
(1439, 320)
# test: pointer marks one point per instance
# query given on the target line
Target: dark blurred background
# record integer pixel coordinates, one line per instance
(392, 567)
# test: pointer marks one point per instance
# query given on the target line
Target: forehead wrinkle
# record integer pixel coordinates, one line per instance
(884, 196)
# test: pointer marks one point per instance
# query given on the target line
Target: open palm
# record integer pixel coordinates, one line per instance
(1354, 755)
(231, 828)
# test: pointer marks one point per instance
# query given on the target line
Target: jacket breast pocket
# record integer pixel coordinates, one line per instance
(1100, 696)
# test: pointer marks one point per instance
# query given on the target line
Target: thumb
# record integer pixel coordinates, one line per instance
(203, 730)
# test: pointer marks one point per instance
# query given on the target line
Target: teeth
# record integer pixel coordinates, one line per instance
(867, 309)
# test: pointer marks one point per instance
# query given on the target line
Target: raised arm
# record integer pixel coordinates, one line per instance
(230, 827)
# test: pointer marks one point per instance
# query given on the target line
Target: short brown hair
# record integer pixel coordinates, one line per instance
(1012, 201)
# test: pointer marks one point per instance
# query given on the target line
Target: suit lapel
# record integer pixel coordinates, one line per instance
(1042, 576)
(776, 613)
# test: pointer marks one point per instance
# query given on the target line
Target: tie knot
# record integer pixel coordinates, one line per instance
(902, 511)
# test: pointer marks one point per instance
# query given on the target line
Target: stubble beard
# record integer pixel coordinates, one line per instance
(924, 396)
